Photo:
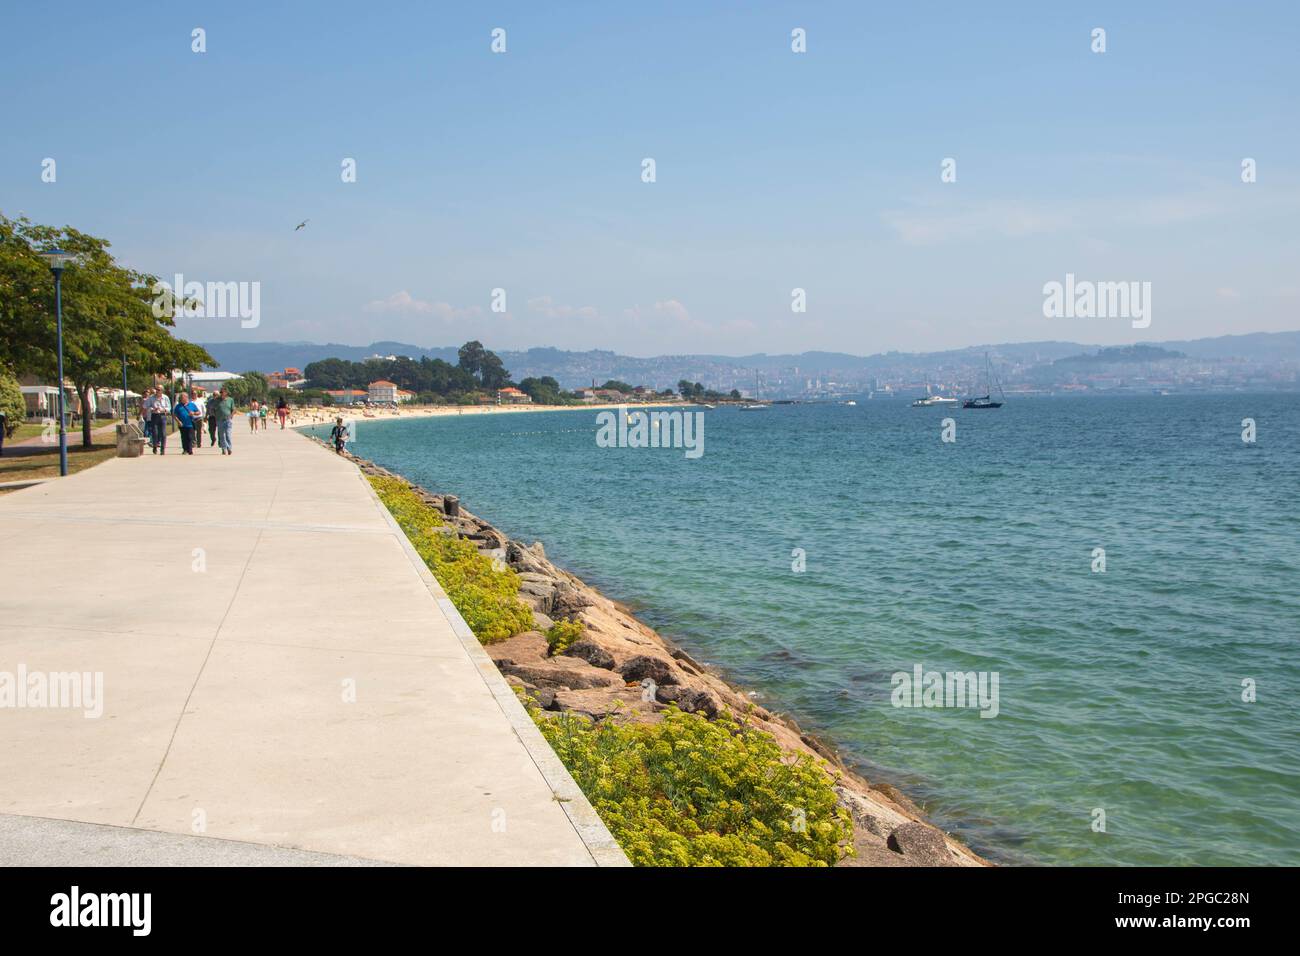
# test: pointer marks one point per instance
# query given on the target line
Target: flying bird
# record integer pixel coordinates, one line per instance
(301, 224)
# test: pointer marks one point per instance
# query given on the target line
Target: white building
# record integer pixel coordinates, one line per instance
(209, 381)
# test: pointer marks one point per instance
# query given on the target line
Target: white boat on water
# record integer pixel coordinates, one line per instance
(931, 401)
(753, 407)
(849, 402)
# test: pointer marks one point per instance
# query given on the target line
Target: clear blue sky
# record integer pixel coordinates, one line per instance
(775, 170)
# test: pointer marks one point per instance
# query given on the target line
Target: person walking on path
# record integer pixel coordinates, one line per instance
(261, 414)
(224, 407)
(252, 416)
(158, 414)
(197, 418)
(186, 412)
(211, 413)
(282, 412)
(146, 416)
(339, 435)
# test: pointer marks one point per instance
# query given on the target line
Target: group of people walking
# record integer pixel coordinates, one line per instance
(217, 412)
(258, 412)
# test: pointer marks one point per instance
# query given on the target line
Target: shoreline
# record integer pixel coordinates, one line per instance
(889, 829)
(322, 415)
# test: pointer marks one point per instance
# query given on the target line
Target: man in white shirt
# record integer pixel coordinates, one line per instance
(157, 409)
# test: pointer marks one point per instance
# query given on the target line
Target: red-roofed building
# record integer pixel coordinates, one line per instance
(512, 396)
(383, 392)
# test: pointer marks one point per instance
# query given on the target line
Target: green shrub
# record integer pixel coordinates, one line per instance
(695, 792)
(486, 598)
(563, 633)
(11, 402)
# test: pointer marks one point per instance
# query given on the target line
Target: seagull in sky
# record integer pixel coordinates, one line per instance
(301, 224)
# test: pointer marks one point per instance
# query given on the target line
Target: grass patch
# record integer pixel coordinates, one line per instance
(29, 430)
(487, 598)
(688, 791)
(44, 463)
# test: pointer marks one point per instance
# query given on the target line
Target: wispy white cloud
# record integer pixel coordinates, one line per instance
(548, 307)
(1013, 219)
(403, 303)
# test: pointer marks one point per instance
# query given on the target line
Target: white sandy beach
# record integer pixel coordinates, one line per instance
(320, 415)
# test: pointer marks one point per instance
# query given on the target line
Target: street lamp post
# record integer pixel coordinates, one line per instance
(57, 259)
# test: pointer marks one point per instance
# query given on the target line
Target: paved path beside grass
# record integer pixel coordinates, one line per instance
(279, 669)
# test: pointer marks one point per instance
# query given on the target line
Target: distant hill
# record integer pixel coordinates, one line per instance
(759, 371)
(1121, 354)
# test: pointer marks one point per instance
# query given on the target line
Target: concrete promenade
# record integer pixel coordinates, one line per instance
(282, 679)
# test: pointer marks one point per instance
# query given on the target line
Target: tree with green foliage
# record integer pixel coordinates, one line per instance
(492, 373)
(470, 357)
(544, 391)
(428, 375)
(483, 365)
(249, 387)
(12, 403)
(109, 313)
(334, 373)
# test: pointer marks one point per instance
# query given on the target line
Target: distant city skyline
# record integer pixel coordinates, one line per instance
(822, 171)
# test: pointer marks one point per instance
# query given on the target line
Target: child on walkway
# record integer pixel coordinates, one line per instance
(339, 435)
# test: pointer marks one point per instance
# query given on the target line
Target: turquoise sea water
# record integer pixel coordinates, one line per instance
(1119, 690)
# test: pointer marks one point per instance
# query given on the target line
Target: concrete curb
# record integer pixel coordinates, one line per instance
(600, 843)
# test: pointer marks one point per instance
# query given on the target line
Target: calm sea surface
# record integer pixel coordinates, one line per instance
(1119, 690)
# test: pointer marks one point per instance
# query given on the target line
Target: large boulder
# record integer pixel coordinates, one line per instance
(527, 648)
(568, 600)
(591, 652)
(598, 702)
(539, 594)
(488, 538)
(921, 845)
(522, 558)
(696, 701)
(870, 850)
(642, 666)
(691, 700)
(559, 672)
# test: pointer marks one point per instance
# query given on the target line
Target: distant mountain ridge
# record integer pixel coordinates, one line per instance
(749, 372)
(1122, 353)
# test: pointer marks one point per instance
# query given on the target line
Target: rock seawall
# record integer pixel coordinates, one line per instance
(622, 667)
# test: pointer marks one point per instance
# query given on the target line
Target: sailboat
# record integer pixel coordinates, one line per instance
(986, 400)
(758, 405)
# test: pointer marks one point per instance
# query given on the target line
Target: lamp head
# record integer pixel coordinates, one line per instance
(56, 259)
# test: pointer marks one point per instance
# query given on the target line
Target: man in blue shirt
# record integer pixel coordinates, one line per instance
(186, 412)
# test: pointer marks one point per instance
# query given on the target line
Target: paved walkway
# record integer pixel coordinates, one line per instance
(278, 669)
